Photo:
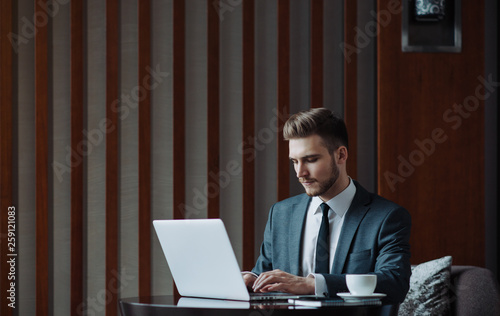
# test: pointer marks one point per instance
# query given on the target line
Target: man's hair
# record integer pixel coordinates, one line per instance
(318, 121)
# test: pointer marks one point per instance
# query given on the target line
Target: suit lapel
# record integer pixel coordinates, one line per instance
(297, 219)
(354, 215)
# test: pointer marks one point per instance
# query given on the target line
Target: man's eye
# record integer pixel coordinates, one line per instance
(312, 160)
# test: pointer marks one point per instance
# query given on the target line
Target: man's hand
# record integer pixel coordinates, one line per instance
(249, 280)
(279, 281)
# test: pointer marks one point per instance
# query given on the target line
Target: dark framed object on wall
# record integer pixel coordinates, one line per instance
(431, 26)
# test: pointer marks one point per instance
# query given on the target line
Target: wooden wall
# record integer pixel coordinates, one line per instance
(431, 138)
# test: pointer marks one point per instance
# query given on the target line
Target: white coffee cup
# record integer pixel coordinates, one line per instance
(361, 284)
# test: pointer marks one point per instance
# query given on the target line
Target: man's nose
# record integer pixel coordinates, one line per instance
(301, 170)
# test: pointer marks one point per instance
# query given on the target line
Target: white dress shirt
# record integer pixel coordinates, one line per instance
(338, 208)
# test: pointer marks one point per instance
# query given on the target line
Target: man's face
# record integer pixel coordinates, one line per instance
(315, 167)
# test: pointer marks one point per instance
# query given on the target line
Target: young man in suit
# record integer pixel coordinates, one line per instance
(313, 240)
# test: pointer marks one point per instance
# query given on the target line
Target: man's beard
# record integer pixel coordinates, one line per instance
(325, 185)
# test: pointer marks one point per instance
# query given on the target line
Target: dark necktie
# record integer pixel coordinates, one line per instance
(323, 245)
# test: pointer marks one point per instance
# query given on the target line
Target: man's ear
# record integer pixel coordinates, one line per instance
(342, 155)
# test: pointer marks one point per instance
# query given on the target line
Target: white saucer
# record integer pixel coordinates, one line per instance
(349, 297)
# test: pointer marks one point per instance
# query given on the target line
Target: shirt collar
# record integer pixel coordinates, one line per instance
(339, 203)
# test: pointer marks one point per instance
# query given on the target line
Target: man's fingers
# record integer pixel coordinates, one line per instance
(249, 280)
(271, 288)
(263, 280)
(280, 281)
(276, 287)
(269, 278)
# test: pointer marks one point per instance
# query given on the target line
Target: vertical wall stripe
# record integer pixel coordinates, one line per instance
(300, 63)
(350, 83)
(162, 152)
(145, 148)
(283, 95)
(77, 121)
(95, 164)
(316, 53)
(112, 153)
(213, 187)
(179, 89)
(248, 134)
(498, 145)
(59, 146)
(25, 189)
(266, 100)
(42, 161)
(6, 147)
(179, 111)
(128, 140)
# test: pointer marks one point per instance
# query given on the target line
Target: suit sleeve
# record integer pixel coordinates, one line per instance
(264, 262)
(392, 262)
(393, 266)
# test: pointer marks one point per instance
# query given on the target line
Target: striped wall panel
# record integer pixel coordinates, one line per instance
(112, 153)
(316, 53)
(77, 178)
(123, 166)
(213, 187)
(283, 105)
(42, 162)
(248, 149)
(179, 90)
(179, 111)
(145, 81)
(350, 83)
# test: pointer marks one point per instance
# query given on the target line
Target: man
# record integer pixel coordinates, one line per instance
(359, 232)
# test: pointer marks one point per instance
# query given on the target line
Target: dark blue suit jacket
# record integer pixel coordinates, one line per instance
(374, 239)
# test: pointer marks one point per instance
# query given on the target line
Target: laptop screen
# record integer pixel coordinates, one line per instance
(201, 259)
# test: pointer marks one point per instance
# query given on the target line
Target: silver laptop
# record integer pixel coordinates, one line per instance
(202, 261)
